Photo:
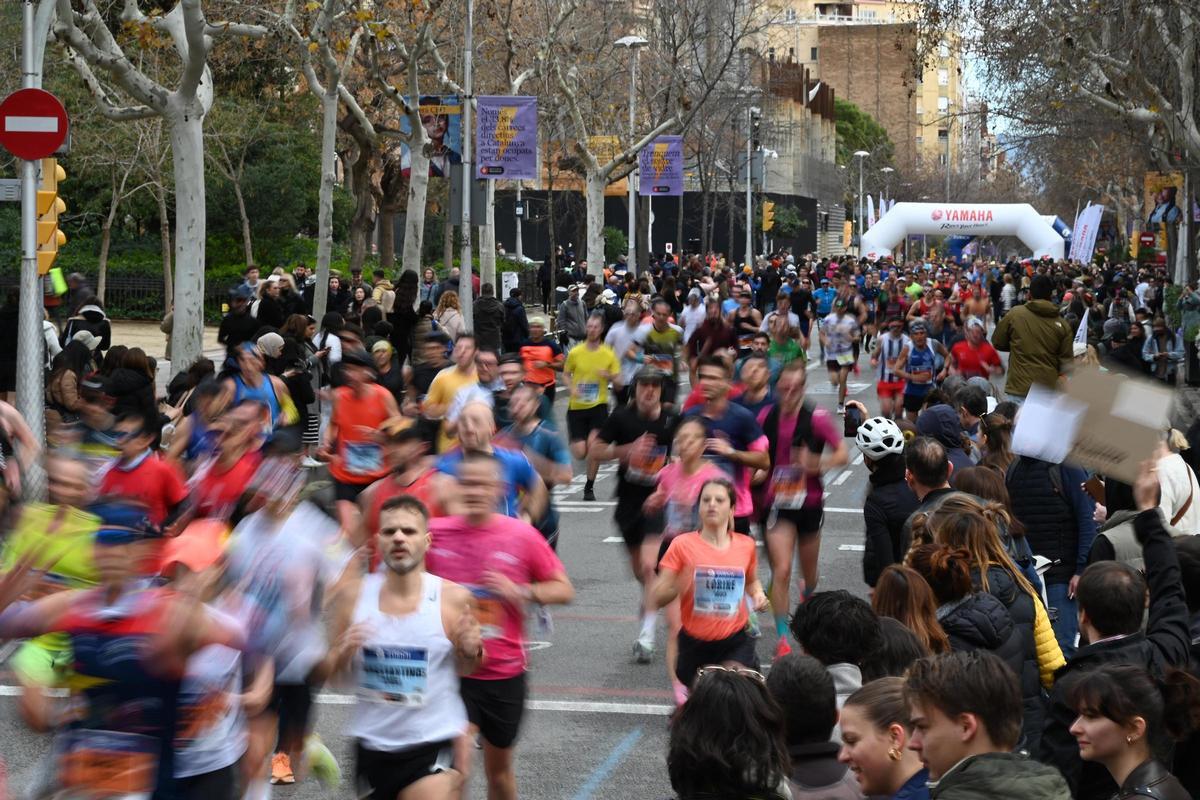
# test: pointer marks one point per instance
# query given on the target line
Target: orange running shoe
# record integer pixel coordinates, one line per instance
(281, 770)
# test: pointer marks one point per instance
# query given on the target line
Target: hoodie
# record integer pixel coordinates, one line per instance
(1039, 343)
(516, 324)
(89, 318)
(941, 422)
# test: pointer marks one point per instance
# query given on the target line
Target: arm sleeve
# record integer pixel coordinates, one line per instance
(1002, 336)
(1049, 654)
(1084, 508)
(1167, 628)
(878, 550)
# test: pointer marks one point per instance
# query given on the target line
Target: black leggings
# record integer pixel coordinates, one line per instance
(221, 784)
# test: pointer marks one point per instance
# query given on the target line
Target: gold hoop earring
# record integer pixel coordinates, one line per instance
(894, 754)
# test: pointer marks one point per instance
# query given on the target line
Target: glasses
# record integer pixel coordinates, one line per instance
(744, 671)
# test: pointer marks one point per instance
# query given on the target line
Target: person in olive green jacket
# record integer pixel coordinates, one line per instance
(965, 709)
(1037, 339)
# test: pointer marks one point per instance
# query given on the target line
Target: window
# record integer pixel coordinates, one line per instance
(813, 54)
(943, 134)
(920, 109)
(943, 77)
(866, 13)
(920, 141)
(944, 50)
(789, 15)
(943, 104)
(941, 159)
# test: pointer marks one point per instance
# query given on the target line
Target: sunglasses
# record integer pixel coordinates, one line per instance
(744, 671)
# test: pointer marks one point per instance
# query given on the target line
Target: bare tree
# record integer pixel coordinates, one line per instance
(234, 131)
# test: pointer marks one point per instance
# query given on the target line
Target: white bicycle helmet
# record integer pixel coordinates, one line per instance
(879, 436)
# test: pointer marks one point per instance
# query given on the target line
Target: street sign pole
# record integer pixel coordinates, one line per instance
(30, 380)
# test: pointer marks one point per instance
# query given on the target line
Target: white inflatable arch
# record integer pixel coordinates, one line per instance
(944, 219)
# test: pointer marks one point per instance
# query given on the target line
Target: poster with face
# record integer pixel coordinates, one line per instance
(442, 119)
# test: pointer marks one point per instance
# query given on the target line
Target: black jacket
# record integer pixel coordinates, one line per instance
(516, 324)
(888, 506)
(236, 328)
(1047, 514)
(1165, 642)
(489, 323)
(1151, 779)
(91, 319)
(980, 621)
(1020, 606)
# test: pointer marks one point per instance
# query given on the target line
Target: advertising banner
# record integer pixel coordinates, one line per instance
(506, 132)
(1083, 237)
(661, 166)
(442, 119)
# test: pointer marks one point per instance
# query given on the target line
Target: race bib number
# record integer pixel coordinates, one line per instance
(664, 362)
(791, 486)
(845, 359)
(921, 376)
(395, 674)
(363, 458)
(745, 340)
(103, 764)
(644, 470)
(199, 713)
(588, 393)
(718, 591)
(489, 610)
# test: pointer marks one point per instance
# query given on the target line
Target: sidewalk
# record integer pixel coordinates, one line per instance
(146, 335)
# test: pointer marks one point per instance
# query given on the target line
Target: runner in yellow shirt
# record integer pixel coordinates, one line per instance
(588, 369)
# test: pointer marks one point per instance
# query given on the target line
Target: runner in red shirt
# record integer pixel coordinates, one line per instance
(974, 356)
(404, 451)
(219, 483)
(141, 474)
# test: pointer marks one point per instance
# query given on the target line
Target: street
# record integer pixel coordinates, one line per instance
(597, 722)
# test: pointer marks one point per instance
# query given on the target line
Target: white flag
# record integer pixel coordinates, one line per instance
(1083, 236)
(870, 211)
(812, 94)
(1081, 331)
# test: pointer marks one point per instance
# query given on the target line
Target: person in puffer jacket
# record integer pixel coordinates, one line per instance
(963, 522)
(971, 620)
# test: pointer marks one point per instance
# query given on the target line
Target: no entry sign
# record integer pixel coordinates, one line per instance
(33, 124)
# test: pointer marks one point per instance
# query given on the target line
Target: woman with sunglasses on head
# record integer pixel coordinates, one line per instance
(729, 740)
(710, 571)
(875, 734)
(1128, 721)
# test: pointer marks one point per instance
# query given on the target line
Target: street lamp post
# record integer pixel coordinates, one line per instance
(861, 155)
(887, 188)
(634, 43)
(466, 296)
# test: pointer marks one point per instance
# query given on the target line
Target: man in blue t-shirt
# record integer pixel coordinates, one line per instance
(525, 495)
(545, 450)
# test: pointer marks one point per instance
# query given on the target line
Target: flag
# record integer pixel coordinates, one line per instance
(506, 133)
(1081, 331)
(870, 211)
(812, 93)
(1083, 236)
(661, 167)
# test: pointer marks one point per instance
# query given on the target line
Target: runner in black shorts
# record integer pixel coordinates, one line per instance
(639, 436)
(588, 369)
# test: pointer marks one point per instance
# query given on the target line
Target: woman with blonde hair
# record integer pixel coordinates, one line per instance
(903, 594)
(448, 316)
(964, 522)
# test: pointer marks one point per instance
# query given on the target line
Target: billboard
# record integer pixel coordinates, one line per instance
(442, 119)
(506, 132)
(661, 167)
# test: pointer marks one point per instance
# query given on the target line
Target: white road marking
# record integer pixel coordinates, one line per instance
(858, 460)
(8, 649)
(829, 510)
(584, 503)
(613, 540)
(845, 476)
(855, 548)
(580, 510)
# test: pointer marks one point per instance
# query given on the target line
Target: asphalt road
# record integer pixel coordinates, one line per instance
(597, 722)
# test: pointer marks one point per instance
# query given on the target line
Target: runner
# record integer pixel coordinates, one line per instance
(839, 331)
(546, 452)
(141, 474)
(196, 436)
(620, 338)
(886, 359)
(805, 443)
(787, 344)
(736, 442)
(404, 637)
(676, 500)
(919, 366)
(406, 454)
(974, 356)
(251, 382)
(745, 320)
(219, 481)
(756, 384)
(352, 444)
(639, 436)
(542, 356)
(506, 564)
(446, 385)
(711, 571)
(588, 369)
(660, 344)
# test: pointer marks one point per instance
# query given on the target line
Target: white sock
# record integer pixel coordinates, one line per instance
(258, 789)
(648, 621)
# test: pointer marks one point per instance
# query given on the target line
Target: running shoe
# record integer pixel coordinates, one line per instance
(782, 648)
(643, 650)
(589, 494)
(311, 463)
(281, 770)
(322, 762)
(841, 409)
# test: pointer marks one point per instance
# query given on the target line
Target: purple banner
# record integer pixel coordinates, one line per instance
(506, 138)
(661, 166)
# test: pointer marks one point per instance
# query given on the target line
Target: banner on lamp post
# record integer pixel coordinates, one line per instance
(661, 167)
(870, 211)
(507, 138)
(1083, 235)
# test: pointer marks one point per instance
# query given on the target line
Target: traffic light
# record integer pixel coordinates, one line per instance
(768, 215)
(49, 206)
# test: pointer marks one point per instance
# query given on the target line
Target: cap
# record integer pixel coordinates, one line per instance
(976, 322)
(198, 547)
(824, 280)
(123, 521)
(241, 292)
(577, 287)
(87, 339)
(1115, 329)
(981, 383)
(609, 295)
(648, 375)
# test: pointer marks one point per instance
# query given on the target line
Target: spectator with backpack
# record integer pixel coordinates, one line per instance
(516, 322)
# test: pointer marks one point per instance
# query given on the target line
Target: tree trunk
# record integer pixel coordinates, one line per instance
(552, 256)
(247, 246)
(447, 245)
(594, 195)
(487, 238)
(679, 243)
(187, 156)
(642, 222)
(164, 233)
(329, 109)
(414, 221)
(105, 240)
(385, 226)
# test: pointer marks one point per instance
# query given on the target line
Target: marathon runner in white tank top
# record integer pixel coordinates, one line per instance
(407, 637)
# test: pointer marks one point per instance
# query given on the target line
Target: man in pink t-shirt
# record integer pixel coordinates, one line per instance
(507, 565)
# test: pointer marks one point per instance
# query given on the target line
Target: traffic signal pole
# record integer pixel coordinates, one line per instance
(30, 347)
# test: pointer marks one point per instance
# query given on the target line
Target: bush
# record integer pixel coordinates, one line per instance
(615, 243)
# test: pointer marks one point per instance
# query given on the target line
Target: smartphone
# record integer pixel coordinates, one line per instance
(1094, 486)
(853, 419)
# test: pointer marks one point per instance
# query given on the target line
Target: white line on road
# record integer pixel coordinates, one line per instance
(584, 503)
(829, 510)
(580, 510)
(613, 540)
(857, 460)
(845, 476)
(854, 548)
